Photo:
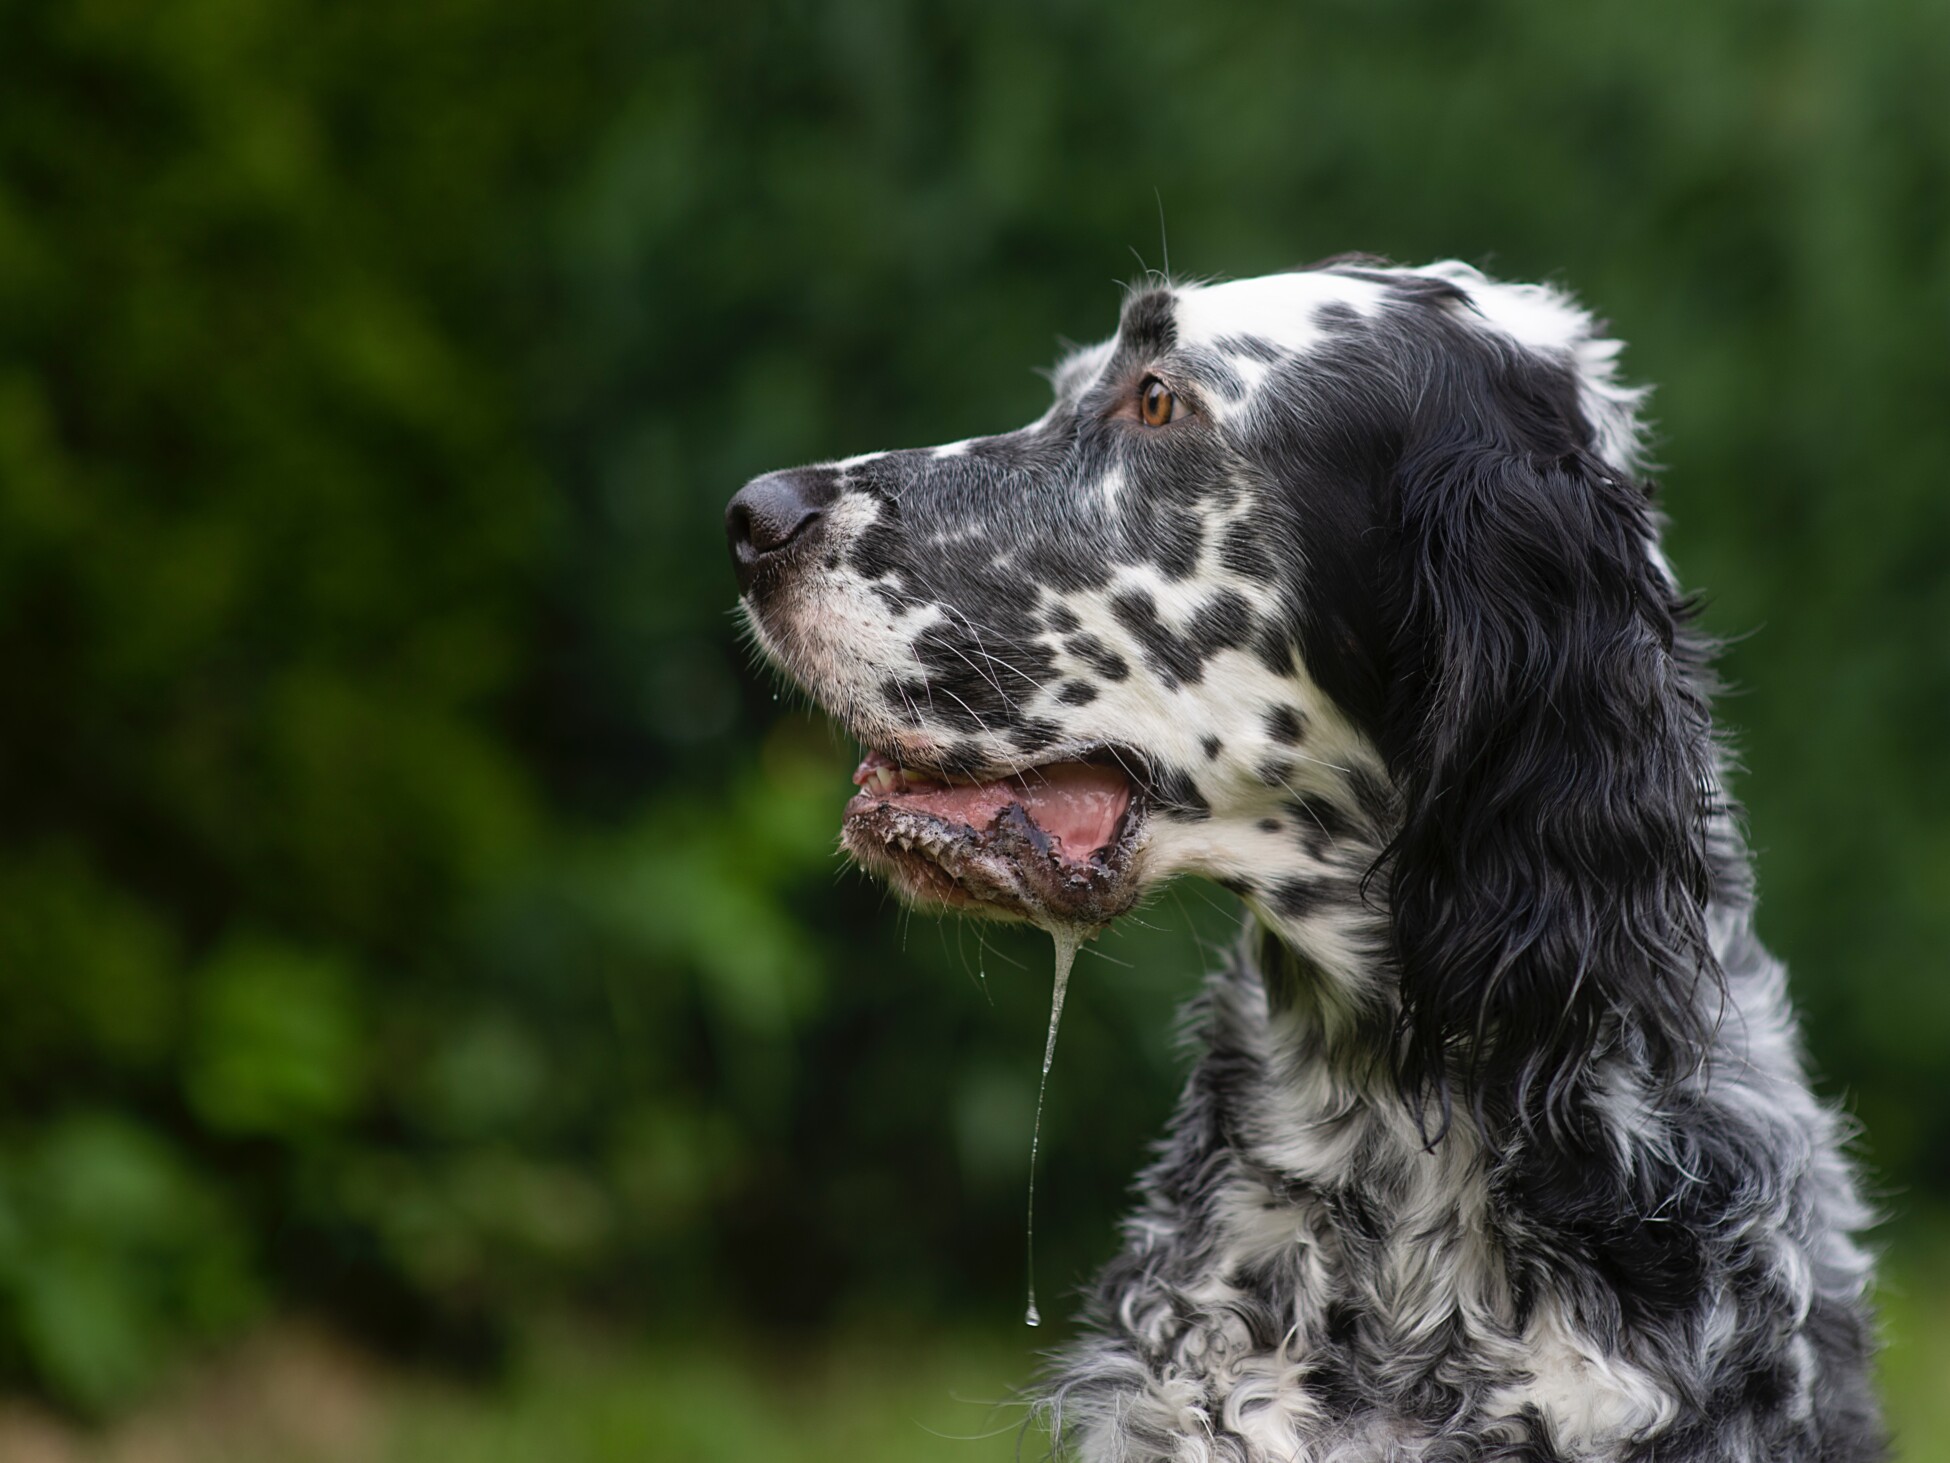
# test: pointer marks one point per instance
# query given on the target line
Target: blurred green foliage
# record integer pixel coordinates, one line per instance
(412, 908)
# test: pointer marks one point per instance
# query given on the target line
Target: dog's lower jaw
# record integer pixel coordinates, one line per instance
(1305, 1279)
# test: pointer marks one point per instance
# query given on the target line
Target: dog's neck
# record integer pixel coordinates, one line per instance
(1305, 1112)
(1323, 1116)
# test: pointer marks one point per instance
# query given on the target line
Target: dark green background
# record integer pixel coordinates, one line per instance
(414, 908)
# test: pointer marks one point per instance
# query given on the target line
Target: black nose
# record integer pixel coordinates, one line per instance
(769, 516)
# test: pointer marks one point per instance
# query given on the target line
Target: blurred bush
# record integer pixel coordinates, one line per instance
(411, 908)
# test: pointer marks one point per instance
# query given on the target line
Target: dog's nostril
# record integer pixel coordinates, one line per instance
(767, 514)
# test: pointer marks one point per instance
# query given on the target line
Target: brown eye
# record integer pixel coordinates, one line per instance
(1159, 405)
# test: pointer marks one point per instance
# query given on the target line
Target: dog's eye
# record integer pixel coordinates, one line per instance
(1158, 404)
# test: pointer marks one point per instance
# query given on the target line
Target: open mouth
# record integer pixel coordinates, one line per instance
(1052, 844)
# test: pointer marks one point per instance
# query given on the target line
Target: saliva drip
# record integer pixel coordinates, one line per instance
(1066, 940)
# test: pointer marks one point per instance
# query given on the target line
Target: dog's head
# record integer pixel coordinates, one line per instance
(1334, 586)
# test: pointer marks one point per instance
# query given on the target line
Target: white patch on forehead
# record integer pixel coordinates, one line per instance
(1281, 308)
(847, 464)
(954, 449)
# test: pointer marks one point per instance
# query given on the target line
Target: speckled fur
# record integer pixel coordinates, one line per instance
(1498, 1144)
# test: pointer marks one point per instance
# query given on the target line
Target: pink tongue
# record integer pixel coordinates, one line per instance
(1076, 804)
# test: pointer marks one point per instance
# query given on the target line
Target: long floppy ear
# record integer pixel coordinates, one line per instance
(1548, 731)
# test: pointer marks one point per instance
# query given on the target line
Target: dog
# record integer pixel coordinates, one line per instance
(1344, 588)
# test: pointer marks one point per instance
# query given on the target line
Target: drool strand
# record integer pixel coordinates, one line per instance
(1066, 940)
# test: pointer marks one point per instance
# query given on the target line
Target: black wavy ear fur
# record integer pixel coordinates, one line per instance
(1548, 730)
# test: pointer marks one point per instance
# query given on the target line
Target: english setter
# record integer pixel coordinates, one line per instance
(1342, 588)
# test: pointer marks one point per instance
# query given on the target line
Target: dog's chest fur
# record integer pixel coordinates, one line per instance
(1305, 1278)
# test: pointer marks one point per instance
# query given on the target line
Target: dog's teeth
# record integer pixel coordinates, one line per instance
(887, 780)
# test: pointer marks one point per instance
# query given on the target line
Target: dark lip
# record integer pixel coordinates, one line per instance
(1008, 870)
(1117, 758)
